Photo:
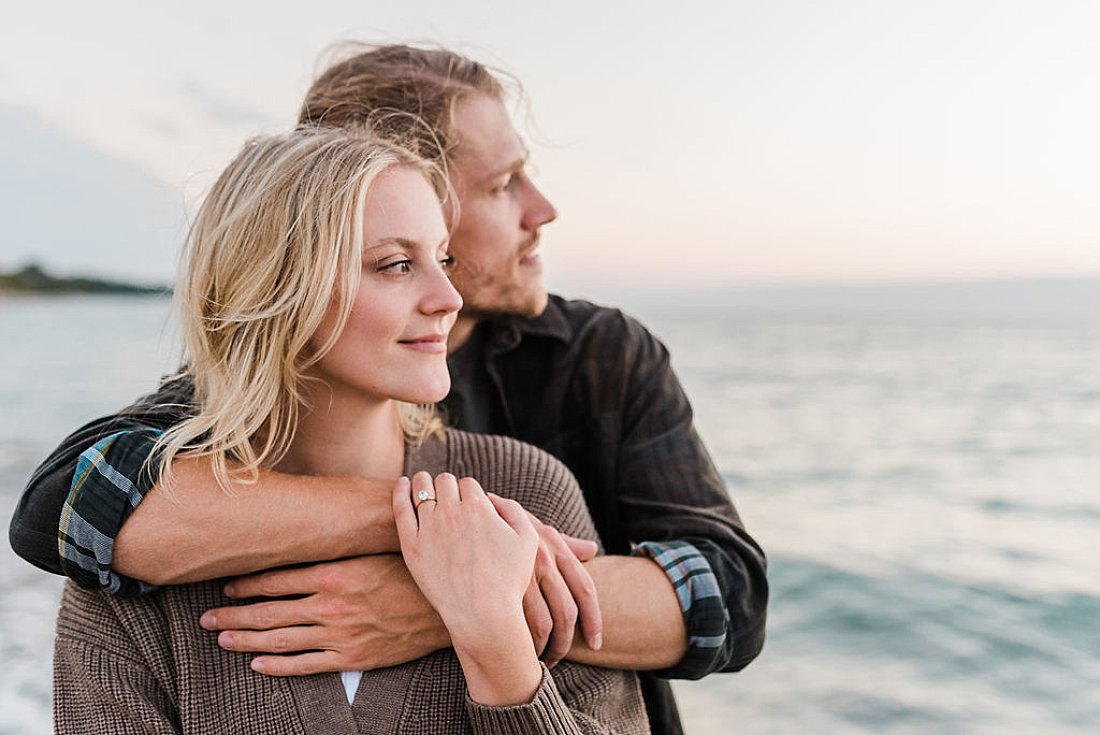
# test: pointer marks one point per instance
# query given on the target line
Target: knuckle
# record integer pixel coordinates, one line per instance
(264, 616)
(585, 598)
(331, 578)
(468, 483)
(543, 627)
(267, 586)
(569, 613)
(543, 555)
(334, 609)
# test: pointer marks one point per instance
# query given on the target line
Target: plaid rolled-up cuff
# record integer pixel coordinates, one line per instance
(111, 479)
(705, 614)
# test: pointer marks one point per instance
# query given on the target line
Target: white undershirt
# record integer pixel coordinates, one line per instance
(350, 680)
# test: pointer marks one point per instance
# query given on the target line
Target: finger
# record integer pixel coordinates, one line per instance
(315, 662)
(260, 615)
(537, 615)
(404, 514)
(281, 640)
(278, 583)
(446, 489)
(469, 489)
(582, 548)
(514, 515)
(583, 591)
(563, 611)
(422, 493)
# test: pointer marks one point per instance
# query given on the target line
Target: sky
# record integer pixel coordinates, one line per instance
(715, 145)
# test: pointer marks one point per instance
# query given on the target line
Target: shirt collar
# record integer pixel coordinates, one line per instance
(507, 332)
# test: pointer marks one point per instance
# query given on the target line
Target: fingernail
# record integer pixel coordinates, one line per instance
(230, 589)
(404, 480)
(597, 642)
(225, 639)
(209, 621)
(258, 665)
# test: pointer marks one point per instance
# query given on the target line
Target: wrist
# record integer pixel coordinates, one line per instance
(499, 663)
(377, 532)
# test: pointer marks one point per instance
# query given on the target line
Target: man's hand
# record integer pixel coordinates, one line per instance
(366, 612)
(560, 594)
(361, 613)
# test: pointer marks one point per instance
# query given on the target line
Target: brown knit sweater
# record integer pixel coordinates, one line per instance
(144, 665)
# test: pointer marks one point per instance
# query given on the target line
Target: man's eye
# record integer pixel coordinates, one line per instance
(447, 262)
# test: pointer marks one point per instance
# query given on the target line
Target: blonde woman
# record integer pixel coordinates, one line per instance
(314, 306)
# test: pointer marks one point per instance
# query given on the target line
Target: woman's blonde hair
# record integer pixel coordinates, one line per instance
(275, 244)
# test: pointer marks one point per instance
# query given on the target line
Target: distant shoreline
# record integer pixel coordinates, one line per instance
(32, 279)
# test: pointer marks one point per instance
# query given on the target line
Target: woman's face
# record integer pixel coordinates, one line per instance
(394, 345)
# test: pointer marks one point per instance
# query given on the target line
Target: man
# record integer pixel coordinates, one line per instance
(682, 591)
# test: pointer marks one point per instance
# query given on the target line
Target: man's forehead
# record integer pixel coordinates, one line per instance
(486, 138)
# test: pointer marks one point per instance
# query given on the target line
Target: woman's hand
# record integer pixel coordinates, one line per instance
(473, 559)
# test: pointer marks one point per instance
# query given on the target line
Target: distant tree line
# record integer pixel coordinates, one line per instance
(32, 278)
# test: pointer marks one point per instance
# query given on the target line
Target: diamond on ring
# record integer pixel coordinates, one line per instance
(423, 495)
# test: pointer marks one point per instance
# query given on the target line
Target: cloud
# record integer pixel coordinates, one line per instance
(220, 108)
(74, 209)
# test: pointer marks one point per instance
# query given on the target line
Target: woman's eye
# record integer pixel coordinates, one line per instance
(396, 267)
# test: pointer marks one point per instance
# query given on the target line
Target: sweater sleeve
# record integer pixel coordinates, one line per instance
(101, 685)
(545, 713)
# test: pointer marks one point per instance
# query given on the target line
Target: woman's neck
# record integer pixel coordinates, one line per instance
(346, 435)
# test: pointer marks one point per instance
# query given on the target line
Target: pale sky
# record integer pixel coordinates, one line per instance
(714, 144)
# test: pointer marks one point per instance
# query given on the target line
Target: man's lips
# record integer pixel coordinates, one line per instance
(426, 343)
(531, 257)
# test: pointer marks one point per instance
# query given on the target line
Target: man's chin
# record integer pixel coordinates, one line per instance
(528, 306)
(538, 305)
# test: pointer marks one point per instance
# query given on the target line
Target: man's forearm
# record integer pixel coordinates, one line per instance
(643, 626)
(198, 531)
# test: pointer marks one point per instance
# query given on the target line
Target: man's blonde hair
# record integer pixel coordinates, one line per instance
(276, 243)
(405, 92)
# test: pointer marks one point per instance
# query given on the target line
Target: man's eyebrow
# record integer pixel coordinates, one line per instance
(515, 166)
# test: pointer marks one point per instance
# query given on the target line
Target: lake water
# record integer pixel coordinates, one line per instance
(928, 492)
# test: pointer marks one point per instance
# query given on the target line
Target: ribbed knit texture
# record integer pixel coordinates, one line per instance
(144, 665)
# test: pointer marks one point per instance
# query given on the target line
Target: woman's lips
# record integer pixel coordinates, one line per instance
(427, 343)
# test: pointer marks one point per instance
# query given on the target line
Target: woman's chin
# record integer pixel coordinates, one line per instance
(428, 392)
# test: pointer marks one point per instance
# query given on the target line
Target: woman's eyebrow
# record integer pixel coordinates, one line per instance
(401, 242)
(404, 243)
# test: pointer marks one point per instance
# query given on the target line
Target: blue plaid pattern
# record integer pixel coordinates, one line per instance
(700, 599)
(109, 482)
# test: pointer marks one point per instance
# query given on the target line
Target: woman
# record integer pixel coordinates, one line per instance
(314, 309)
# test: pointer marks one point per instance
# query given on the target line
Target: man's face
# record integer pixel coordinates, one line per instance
(497, 268)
